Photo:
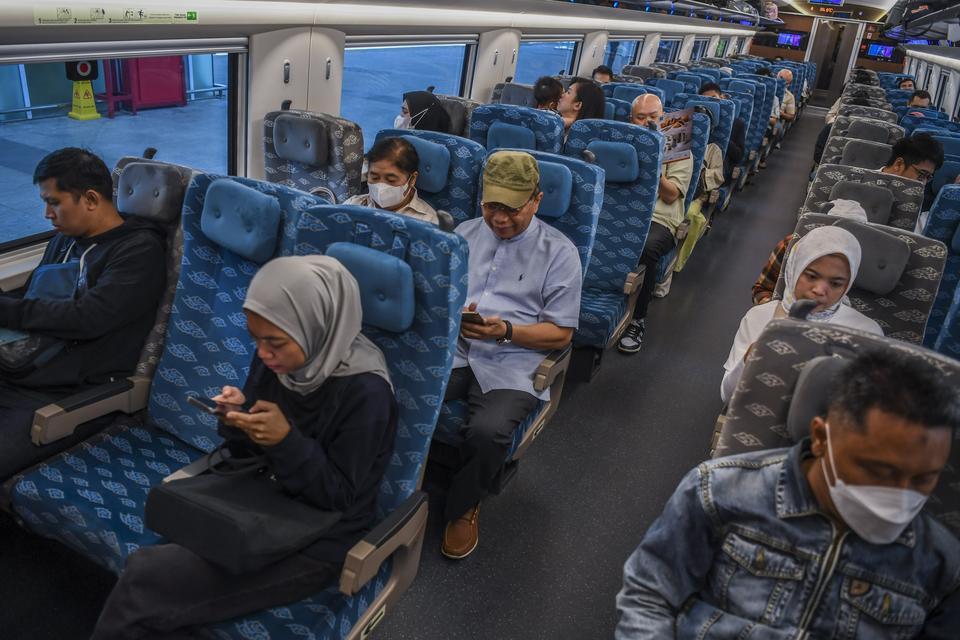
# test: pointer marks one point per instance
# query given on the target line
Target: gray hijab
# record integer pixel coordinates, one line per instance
(316, 301)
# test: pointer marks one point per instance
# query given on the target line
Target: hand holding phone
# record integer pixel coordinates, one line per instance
(472, 317)
(205, 404)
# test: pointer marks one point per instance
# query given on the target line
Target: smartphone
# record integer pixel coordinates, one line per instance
(203, 403)
(472, 317)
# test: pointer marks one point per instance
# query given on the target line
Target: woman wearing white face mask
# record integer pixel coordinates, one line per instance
(393, 168)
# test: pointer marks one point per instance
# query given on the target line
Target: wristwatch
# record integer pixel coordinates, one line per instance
(508, 336)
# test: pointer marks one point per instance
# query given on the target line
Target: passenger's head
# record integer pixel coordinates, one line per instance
(511, 192)
(77, 188)
(582, 100)
(920, 98)
(646, 111)
(547, 92)
(392, 170)
(906, 84)
(787, 76)
(422, 110)
(602, 74)
(711, 90)
(917, 157)
(821, 266)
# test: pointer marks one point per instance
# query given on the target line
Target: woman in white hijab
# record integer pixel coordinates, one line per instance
(323, 414)
(821, 266)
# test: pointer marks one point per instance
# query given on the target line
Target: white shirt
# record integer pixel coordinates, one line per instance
(417, 208)
(753, 324)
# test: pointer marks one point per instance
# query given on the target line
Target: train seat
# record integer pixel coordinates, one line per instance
(572, 201)
(643, 72)
(450, 168)
(669, 66)
(910, 123)
(851, 152)
(890, 81)
(724, 113)
(691, 83)
(714, 74)
(314, 152)
(670, 88)
(499, 125)
(621, 109)
(628, 92)
(947, 340)
(513, 93)
(944, 225)
(907, 194)
(91, 497)
(866, 129)
(854, 89)
(459, 109)
(874, 103)
(899, 274)
(756, 135)
(631, 157)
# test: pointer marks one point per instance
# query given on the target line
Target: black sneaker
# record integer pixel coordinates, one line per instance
(632, 338)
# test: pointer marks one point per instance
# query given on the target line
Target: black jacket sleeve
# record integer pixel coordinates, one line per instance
(737, 142)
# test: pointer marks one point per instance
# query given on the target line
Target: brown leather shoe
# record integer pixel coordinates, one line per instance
(461, 536)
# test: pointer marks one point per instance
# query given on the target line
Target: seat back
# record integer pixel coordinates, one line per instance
(714, 74)
(898, 278)
(744, 108)
(691, 83)
(864, 90)
(669, 87)
(698, 149)
(907, 194)
(898, 97)
(628, 92)
(499, 125)
(909, 123)
(945, 175)
(723, 111)
(944, 225)
(621, 109)
(868, 112)
(307, 151)
(640, 71)
(890, 81)
(951, 144)
(513, 93)
(863, 128)
(770, 90)
(459, 109)
(862, 153)
(871, 102)
(759, 414)
(450, 169)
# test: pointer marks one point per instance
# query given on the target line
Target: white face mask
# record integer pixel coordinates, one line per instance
(877, 514)
(401, 122)
(387, 196)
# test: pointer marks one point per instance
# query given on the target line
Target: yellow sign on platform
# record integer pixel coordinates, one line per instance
(84, 106)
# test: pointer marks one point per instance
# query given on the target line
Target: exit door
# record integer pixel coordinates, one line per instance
(833, 45)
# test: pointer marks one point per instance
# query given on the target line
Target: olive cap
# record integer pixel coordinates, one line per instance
(510, 178)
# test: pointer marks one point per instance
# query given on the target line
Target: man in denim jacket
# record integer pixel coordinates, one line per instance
(821, 540)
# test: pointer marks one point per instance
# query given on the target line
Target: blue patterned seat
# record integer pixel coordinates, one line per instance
(628, 200)
(944, 225)
(92, 496)
(313, 151)
(691, 82)
(723, 115)
(628, 92)
(621, 109)
(670, 88)
(455, 190)
(496, 126)
(948, 340)
(909, 123)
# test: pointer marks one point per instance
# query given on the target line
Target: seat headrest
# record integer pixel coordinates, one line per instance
(811, 395)
(710, 105)
(876, 201)
(742, 85)
(302, 140)
(434, 164)
(884, 257)
(864, 154)
(618, 159)
(951, 144)
(386, 285)
(150, 190)
(503, 135)
(866, 130)
(241, 219)
(556, 182)
(519, 94)
(630, 93)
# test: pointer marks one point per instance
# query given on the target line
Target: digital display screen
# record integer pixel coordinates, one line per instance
(880, 51)
(789, 39)
(836, 3)
(918, 42)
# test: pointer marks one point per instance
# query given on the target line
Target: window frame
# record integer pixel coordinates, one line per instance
(942, 85)
(676, 49)
(717, 53)
(640, 42)
(576, 39)
(704, 42)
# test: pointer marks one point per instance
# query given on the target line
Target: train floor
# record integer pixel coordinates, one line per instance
(553, 544)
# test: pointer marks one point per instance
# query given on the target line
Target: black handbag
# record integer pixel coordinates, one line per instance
(21, 357)
(240, 518)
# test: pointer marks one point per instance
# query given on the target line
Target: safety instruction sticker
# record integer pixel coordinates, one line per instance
(87, 15)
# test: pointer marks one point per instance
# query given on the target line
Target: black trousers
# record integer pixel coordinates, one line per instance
(166, 590)
(660, 241)
(492, 419)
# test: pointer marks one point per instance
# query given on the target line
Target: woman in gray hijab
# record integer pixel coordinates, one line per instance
(319, 405)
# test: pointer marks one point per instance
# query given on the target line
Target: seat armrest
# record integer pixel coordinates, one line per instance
(634, 280)
(753, 155)
(398, 530)
(58, 420)
(553, 365)
(736, 173)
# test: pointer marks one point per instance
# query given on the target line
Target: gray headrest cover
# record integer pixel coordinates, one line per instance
(866, 130)
(864, 154)
(884, 260)
(811, 394)
(150, 190)
(302, 140)
(876, 201)
(518, 94)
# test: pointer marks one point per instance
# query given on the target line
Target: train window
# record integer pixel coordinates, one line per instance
(926, 76)
(942, 88)
(699, 48)
(379, 76)
(722, 44)
(668, 50)
(177, 104)
(544, 58)
(620, 53)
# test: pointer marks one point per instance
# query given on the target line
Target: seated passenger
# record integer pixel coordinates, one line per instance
(322, 412)
(94, 297)
(422, 110)
(602, 74)
(825, 539)
(393, 167)
(788, 110)
(582, 100)
(668, 214)
(822, 266)
(738, 134)
(525, 279)
(920, 99)
(906, 84)
(547, 93)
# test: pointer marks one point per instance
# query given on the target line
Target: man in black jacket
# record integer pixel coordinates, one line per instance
(97, 289)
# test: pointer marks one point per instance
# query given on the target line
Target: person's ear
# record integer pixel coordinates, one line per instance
(818, 436)
(91, 199)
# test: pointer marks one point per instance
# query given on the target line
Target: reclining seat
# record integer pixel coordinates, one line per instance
(898, 278)
(862, 128)
(909, 123)
(314, 152)
(851, 152)
(898, 97)
(927, 112)
(412, 280)
(847, 100)
(630, 157)
(640, 71)
(155, 191)
(868, 112)
(833, 181)
(743, 108)
(944, 225)
(628, 92)
(573, 192)
(770, 86)
(756, 126)
(784, 386)
(91, 497)
(721, 123)
(449, 172)
(890, 81)
(948, 339)
(670, 89)
(691, 82)
(496, 126)
(865, 90)
(459, 109)
(621, 109)
(513, 93)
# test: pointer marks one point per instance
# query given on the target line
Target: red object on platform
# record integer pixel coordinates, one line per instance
(156, 82)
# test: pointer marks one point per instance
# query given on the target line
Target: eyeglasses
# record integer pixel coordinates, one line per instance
(922, 174)
(499, 207)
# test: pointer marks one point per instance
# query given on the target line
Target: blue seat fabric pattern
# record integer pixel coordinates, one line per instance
(722, 127)
(944, 225)
(547, 126)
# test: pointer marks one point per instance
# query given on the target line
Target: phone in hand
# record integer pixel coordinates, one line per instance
(204, 404)
(472, 317)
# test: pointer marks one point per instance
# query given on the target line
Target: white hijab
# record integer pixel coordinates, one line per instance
(316, 301)
(822, 241)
